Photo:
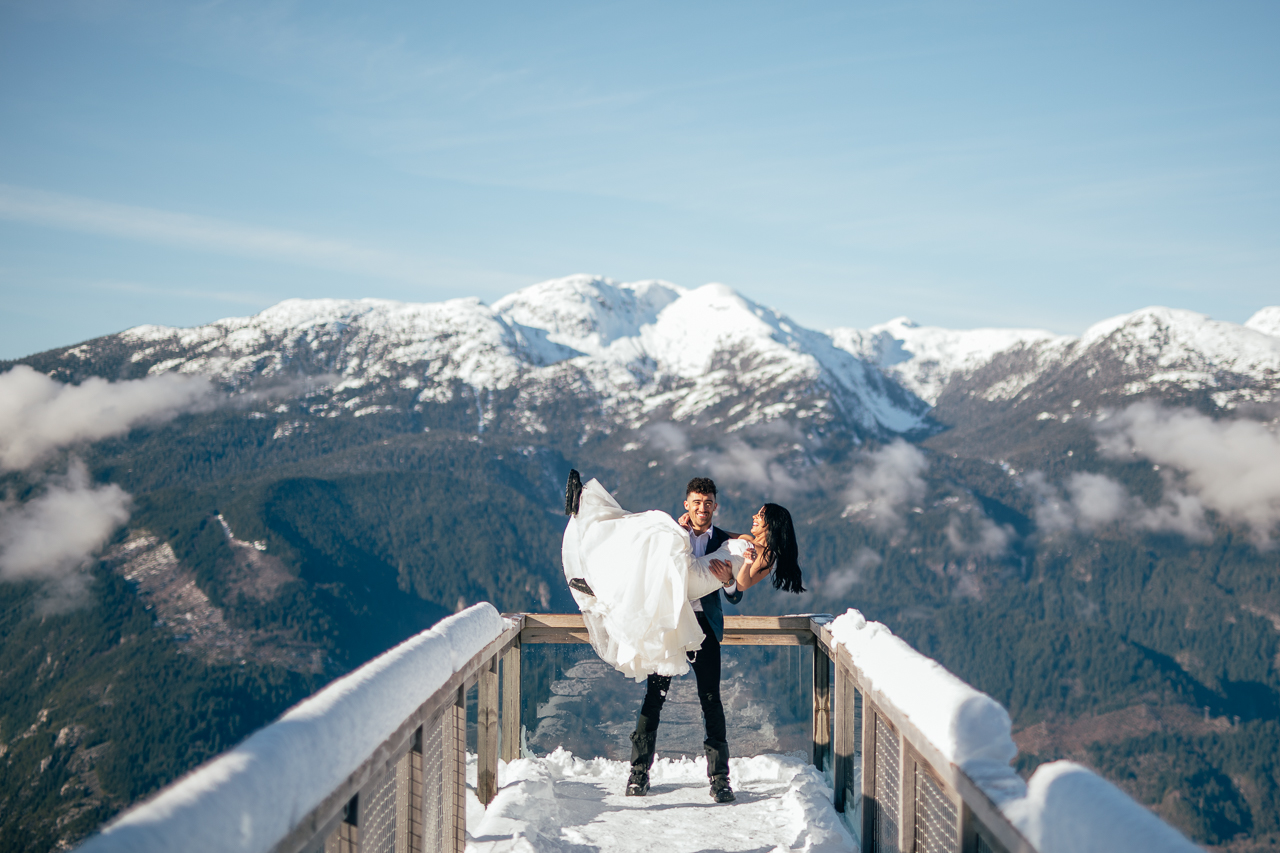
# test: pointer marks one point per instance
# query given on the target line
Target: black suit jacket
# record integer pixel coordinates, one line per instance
(711, 606)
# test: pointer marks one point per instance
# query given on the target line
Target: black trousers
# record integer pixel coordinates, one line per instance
(706, 669)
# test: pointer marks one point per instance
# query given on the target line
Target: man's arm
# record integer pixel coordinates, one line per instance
(723, 570)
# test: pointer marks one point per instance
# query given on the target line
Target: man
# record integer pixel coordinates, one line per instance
(700, 503)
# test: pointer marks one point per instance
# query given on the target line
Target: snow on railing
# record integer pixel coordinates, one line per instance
(375, 762)
(921, 763)
(381, 749)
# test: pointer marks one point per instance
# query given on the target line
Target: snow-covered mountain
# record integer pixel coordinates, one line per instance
(1153, 350)
(926, 358)
(638, 352)
(589, 354)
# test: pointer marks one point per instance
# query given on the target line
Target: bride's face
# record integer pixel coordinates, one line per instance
(758, 527)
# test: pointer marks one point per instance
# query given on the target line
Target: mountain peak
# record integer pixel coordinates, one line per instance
(1174, 337)
(1266, 321)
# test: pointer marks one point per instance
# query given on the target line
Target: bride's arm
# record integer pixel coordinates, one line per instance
(756, 570)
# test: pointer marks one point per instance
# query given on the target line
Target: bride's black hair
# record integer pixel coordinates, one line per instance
(782, 548)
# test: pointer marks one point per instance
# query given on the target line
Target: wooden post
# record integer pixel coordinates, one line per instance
(870, 770)
(511, 703)
(487, 733)
(458, 786)
(821, 707)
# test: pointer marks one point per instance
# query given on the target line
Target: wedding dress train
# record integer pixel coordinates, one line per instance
(641, 568)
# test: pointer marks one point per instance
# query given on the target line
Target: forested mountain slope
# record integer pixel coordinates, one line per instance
(1081, 527)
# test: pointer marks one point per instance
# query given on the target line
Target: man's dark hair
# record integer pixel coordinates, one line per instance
(701, 485)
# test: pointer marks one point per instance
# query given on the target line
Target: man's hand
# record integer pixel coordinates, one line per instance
(723, 570)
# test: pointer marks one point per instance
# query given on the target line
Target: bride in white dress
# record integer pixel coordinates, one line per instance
(641, 573)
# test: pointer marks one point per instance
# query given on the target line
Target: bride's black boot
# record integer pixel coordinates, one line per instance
(642, 744)
(581, 586)
(573, 492)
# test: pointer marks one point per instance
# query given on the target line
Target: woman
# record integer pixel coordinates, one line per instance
(776, 551)
(634, 574)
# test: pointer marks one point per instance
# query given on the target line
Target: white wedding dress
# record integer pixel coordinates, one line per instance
(642, 569)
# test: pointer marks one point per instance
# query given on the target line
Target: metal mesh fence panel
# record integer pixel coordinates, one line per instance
(437, 780)
(888, 789)
(853, 775)
(378, 815)
(936, 828)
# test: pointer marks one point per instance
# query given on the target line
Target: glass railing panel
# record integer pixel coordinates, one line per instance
(571, 699)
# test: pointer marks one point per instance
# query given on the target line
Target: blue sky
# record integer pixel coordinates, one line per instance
(963, 163)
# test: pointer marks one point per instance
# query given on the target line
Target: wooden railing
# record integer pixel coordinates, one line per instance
(896, 790)
(410, 795)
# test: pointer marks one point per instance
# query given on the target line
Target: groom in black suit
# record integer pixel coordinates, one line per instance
(700, 503)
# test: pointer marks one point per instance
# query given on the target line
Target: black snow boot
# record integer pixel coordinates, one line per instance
(573, 492)
(720, 790)
(638, 784)
(642, 744)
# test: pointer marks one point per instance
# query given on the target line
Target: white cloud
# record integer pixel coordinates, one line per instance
(1097, 500)
(166, 227)
(741, 464)
(885, 481)
(667, 436)
(1092, 501)
(735, 462)
(991, 539)
(52, 537)
(38, 415)
(1231, 467)
(839, 582)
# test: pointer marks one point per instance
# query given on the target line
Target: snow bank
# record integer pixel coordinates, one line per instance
(1070, 809)
(251, 797)
(967, 726)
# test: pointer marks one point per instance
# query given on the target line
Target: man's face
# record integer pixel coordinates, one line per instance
(700, 508)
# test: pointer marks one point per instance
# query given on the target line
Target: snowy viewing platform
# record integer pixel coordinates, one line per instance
(905, 757)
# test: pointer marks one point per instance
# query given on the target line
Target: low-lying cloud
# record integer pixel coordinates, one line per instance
(735, 461)
(986, 539)
(1231, 467)
(885, 481)
(52, 537)
(837, 584)
(39, 415)
(1090, 501)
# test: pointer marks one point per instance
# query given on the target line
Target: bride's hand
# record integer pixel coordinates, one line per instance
(753, 571)
(684, 522)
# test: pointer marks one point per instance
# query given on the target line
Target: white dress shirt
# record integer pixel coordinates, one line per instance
(699, 541)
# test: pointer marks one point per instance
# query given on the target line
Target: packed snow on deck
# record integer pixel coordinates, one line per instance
(559, 802)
